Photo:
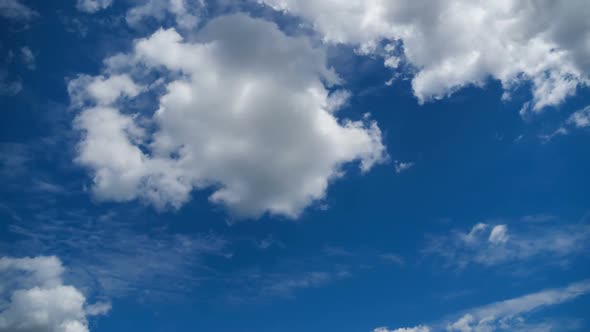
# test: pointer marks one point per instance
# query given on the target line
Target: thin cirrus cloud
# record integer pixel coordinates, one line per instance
(16, 11)
(509, 315)
(265, 135)
(186, 13)
(35, 299)
(456, 43)
(107, 248)
(93, 6)
(492, 245)
(578, 120)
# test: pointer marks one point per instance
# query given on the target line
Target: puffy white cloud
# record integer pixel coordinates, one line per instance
(247, 111)
(101, 90)
(34, 299)
(455, 43)
(93, 6)
(185, 12)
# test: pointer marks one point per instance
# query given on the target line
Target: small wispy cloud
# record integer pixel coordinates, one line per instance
(9, 86)
(28, 58)
(508, 315)
(495, 244)
(393, 259)
(114, 260)
(401, 166)
(15, 10)
(577, 120)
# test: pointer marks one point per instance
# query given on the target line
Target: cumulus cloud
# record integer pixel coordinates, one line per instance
(93, 6)
(456, 43)
(508, 315)
(491, 245)
(246, 110)
(100, 89)
(33, 298)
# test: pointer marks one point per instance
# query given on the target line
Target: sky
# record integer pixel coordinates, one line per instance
(294, 165)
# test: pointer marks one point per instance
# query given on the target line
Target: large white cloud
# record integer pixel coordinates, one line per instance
(248, 111)
(455, 43)
(33, 298)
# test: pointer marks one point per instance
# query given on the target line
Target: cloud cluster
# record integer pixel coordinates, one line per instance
(491, 245)
(33, 298)
(456, 43)
(246, 110)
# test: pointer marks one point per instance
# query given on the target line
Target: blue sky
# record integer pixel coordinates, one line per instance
(178, 165)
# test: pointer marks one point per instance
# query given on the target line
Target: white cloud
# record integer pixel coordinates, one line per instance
(474, 233)
(33, 298)
(15, 10)
(508, 315)
(28, 58)
(9, 87)
(404, 329)
(401, 166)
(185, 12)
(499, 234)
(247, 112)
(490, 245)
(101, 90)
(456, 43)
(580, 119)
(93, 6)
